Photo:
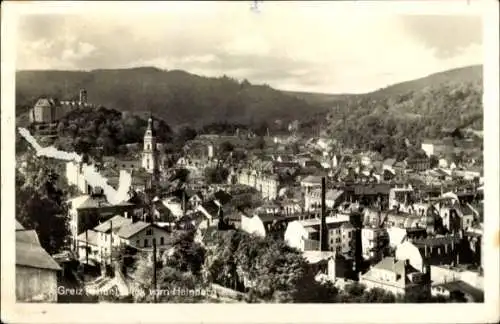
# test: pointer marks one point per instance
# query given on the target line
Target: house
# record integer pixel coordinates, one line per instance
(196, 199)
(312, 199)
(305, 233)
(291, 206)
(86, 211)
(266, 183)
(327, 265)
(457, 217)
(373, 241)
(269, 208)
(310, 182)
(119, 231)
(437, 250)
(400, 197)
(398, 276)
(436, 147)
(458, 290)
(36, 270)
(418, 164)
(88, 247)
(401, 219)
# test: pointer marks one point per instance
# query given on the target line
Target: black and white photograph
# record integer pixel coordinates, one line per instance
(253, 152)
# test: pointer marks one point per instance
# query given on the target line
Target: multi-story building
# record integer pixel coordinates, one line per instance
(267, 184)
(340, 234)
(50, 110)
(398, 276)
(418, 164)
(373, 241)
(118, 231)
(86, 211)
(312, 198)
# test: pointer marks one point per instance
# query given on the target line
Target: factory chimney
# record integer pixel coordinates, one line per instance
(323, 231)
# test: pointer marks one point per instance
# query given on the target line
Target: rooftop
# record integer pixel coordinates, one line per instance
(92, 237)
(313, 257)
(329, 220)
(464, 287)
(116, 222)
(436, 241)
(29, 252)
(129, 230)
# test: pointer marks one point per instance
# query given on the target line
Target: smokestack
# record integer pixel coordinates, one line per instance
(323, 234)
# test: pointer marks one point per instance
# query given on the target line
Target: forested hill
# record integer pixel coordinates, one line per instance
(424, 108)
(466, 75)
(175, 96)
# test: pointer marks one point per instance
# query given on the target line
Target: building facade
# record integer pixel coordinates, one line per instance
(150, 160)
(36, 270)
(267, 184)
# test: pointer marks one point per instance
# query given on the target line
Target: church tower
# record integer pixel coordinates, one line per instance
(150, 152)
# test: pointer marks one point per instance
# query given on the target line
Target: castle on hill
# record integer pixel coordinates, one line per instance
(50, 110)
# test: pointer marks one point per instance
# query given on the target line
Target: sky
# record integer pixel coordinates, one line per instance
(299, 46)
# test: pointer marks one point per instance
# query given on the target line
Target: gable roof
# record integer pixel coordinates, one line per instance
(312, 179)
(92, 237)
(45, 102)
(464, 287)
(88, 202)
(116, 221)
(129, 230)
(27, 236)
(19, 227)
(29, 253)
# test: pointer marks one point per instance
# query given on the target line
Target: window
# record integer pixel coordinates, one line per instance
(162, 241)
(337, 240)
(149, 231)
(138, 243)
(349, 234)
(154, 240)
(146, 243)
(147, 163)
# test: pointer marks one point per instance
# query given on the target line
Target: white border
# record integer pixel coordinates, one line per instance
(365, 313)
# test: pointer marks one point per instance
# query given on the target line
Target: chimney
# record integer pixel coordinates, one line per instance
(323, 234)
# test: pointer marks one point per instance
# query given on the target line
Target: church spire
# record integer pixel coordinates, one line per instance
(150, 158)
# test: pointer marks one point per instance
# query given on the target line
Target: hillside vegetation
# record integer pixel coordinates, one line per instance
(379, 120)
(413, 110)
(177, 97)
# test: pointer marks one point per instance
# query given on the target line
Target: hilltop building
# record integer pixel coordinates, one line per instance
(50, 110)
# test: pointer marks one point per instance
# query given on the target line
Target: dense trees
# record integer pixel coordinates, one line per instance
(41, 202)
(268, 268)
(383, 122)
(175, 96)
(86, 129)
(179, 270)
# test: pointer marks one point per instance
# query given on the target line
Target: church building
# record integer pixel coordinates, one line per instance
(150, 156)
